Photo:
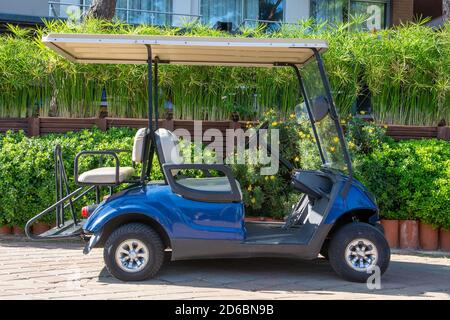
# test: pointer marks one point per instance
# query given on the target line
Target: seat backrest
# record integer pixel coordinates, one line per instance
(168, 147)
(138, 146)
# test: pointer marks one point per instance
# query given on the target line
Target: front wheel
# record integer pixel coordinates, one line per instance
(356, 249)
(133, 252)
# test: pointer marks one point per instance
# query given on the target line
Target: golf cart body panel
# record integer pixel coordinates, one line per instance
(179, 217)
(209, 230)
(357, 199)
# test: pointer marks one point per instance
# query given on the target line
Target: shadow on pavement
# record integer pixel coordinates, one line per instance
(22, 241)
(295, 276)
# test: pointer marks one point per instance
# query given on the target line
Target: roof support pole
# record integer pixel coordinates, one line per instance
(149, 88)
(155, 85)
(149, 138)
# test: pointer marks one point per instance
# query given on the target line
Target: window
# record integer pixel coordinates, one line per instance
(239, 11)
(143, 11)
(337, 11)
(374, 11)
(329, 10)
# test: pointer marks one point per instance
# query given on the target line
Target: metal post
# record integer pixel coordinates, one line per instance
(149, 88)
(58, 222)
(149, 140)
(97, 194)
(155, 84)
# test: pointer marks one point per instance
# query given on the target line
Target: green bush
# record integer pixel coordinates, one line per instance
(410, 179)
(27, 183)
(365, 137)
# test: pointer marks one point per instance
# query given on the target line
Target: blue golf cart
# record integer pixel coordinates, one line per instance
(180, 217)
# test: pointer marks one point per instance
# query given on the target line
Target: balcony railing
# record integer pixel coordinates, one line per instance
(132, 16)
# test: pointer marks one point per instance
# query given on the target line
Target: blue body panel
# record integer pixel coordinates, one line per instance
(358, 198)
(186, 219)
(180, 217)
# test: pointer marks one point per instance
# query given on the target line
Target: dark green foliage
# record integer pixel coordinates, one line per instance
(406, 69)
(410, 179)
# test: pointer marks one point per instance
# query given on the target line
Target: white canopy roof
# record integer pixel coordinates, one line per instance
(132, 49)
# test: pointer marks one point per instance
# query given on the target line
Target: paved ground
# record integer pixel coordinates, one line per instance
(60, 271)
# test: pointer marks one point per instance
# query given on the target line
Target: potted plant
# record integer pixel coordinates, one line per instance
(428, 236)
(390, 225)
(444, 242)
(40, 227)
(408, 231)
(4, 227)
(18, 230)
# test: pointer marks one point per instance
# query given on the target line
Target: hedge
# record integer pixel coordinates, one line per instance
(410, 179)
(406, 68)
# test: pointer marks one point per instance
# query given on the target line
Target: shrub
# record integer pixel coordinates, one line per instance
(365, 137)
(27, 183)
(410, 180)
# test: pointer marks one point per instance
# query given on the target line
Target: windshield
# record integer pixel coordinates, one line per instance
(328, 142)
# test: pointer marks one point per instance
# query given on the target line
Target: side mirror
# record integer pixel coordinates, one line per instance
(320, 107)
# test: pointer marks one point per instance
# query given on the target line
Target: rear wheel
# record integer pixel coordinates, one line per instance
(356, 249)
(133, 252)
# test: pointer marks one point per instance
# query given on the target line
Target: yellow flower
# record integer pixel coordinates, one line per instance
(332, 149)
(370, 130)
(253, 200)
(292, 116)
(362, 112)
(249, 188)
(297, 159)
(272, 177)
(385, 126)
(274, 123)
(335, 139)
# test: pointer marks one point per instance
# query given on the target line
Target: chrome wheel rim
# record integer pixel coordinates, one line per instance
(361, 254)
(132, 255)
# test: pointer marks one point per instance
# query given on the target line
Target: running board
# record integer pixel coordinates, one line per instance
(68, 230)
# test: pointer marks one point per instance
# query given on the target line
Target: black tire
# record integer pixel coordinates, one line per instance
(145, 235)
(343, 237)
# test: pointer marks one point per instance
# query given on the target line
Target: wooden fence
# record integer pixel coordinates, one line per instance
(44, 125)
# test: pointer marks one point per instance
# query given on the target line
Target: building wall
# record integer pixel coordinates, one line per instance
(37, 8)
(402, 10)
(296, 10)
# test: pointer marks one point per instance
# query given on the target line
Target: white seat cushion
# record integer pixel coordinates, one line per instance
(138, 145)
(106, 175)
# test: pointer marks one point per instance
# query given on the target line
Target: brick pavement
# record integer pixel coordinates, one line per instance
(40, 270)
